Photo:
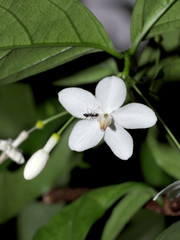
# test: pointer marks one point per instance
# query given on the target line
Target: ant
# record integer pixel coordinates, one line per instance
(91, 115)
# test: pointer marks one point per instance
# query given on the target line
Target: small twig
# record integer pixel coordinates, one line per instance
(170, 208)
(64, 194)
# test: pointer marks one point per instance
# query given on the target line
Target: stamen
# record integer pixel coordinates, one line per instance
(105, 120)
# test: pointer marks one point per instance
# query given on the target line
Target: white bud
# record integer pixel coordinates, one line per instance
(51, 143)
(20, 138)
(36, 164)
(39, 159)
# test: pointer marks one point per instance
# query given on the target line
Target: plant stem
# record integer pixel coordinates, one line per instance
(46, 121)
(65, 125)
(160, 119)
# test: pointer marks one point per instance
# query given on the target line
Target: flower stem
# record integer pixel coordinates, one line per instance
(46, 121)
(127, 64)
(160, 119)
(65, 126)
(41, 123)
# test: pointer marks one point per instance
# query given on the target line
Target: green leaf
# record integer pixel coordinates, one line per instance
(44, 34)
(168, 22)
(152, 173)
(124, 211)
(153, 224)
(170, 41)
(34, 216)
(18, 109)
(14, 186)
(172, 232)
(166, 156)
(74, 221)
(91, 74)
(35, 60)
(145, 15)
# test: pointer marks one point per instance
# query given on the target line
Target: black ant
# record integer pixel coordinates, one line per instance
(91, 115)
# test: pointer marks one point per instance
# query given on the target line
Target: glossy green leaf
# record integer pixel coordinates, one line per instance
(21, 63)
(74, 221)
(153, 224)
(166, 156)
(91, 74)
(172, 232)
(124, 211)
(14, 186)
(34, 216)
(36, 36)
(145, 15)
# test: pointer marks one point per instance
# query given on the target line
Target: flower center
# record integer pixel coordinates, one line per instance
(105, 120)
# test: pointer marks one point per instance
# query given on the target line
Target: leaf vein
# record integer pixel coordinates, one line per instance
(68, 17)
(19, 22)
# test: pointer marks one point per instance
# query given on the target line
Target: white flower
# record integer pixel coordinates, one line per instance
(39, 159)
(102, 117)
(173, 191)
(9, 148)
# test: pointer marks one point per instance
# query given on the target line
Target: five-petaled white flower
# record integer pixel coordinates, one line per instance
(102, 117)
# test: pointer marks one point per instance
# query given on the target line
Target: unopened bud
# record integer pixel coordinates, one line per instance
(35, 164)
(39, 159)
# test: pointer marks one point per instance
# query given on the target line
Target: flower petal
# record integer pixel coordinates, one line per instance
(111, 93)
(78, 101)
(173, 191)
(135, 115)
(85, 134)
(120, 142)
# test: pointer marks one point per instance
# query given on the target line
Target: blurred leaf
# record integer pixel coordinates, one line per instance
(34, 216)
(91, 74)
(165, 156)
(168, 22)
(124, 211)
(171, 233)
(171, 70)
(17, 108)
(152, 173)
(36, 36)
(16, 192)
(74, 221)
(153, 224)
(171, 40)
(145, 15)
(148, 56)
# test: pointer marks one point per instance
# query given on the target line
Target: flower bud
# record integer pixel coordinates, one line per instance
(39, 159)
(20, 138)
(35, 164)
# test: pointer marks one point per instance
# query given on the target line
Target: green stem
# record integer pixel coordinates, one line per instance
(46, 121)
(65, 126)
(160, 119)
(127, 64)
